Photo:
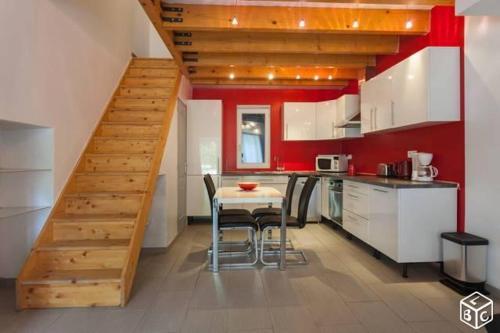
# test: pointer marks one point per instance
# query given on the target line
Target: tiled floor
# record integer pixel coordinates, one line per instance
(343, 289)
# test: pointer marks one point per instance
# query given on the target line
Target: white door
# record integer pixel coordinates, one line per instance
(299, 121)
(204, 133)
(411, 90)
(325, 120)
(382, 93)
(367, 106)
(383, 234)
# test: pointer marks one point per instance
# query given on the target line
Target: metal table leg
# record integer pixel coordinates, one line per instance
(215, 237)
(283, 235)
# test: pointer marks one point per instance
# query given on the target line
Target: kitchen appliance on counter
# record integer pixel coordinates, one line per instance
(332, 163)
(385, 170)
(422, 169)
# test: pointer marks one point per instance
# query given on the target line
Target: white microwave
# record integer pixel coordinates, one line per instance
(332, 163)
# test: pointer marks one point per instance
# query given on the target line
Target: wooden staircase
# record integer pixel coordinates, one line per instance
(87, 252)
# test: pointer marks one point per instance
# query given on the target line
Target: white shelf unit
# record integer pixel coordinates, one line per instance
(26, 190)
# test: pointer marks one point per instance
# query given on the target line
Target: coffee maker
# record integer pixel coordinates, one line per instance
(422, 170)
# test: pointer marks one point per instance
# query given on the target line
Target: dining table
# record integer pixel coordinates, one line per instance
(259, 195)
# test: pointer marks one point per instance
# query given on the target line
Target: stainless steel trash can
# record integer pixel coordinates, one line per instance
(464, 261)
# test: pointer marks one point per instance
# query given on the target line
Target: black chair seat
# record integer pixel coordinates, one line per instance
(260, 212)
(232, 212)
(275, 221)
(235, 221)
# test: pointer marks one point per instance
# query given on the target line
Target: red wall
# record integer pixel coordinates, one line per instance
(447, 142)
(298, 155)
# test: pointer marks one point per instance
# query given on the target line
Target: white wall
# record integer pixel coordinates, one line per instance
(482, 135)
(145, 39)
(60, 62)
(477, 7)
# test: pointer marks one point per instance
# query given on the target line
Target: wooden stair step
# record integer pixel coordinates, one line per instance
(103, 203)
(119, 162)
(91, 244)
(152, 63)
(109, 181)
(134, 103)
(78, 276)
(106, 145)
(90, 218)
(132, 129)
(150, 92)
(139, 116)
(93, 226)
(152, 72)
(136, 82)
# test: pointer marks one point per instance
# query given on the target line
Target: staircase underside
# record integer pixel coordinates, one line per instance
(87, 252)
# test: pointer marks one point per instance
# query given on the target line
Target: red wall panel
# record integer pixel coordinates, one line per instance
(297, 155)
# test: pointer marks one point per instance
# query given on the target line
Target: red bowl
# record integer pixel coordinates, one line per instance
(248, 186)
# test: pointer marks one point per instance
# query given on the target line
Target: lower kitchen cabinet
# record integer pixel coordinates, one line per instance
(405, 224)
(197, 203)
(314, 209)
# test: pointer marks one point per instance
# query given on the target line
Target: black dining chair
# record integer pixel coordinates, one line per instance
(260, 212)
(270, 222)
(234, 219)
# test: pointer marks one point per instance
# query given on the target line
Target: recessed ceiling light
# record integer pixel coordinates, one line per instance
(355, 24)
(316, 77)
(234, 20)
(298, 77)
(302, 23)
(409, 24)
(231, 76)
(270, 76)
(330, 77)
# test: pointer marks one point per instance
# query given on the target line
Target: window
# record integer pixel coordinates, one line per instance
(254, 136)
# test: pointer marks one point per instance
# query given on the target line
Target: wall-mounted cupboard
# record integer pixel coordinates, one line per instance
(422, 90)
(321, 120)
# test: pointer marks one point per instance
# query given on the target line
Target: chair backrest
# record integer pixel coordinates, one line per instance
(209, 183)
(292, 181)
(304, 199)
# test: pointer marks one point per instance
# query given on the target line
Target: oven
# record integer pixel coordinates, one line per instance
(335, 189)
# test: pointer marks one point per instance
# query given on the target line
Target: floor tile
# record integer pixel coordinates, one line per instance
(293, 319)
(349, 328)
(404, 303)
(377, 317)
(207, 321)
(248, 319)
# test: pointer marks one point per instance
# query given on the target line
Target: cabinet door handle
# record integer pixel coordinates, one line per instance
(375, 118)
(352, 196)
(371, 119)
(392, 113)
(352, 186)
(382, 191)
(286, 131)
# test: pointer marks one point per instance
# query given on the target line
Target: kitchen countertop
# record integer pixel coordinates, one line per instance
(366, 179)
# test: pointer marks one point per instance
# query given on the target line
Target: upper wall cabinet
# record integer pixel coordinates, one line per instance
(347, 109)
(318, 121)
(299, 121)
(325, 120)
(421, 90)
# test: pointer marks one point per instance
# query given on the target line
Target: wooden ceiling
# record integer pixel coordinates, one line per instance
(285, 45)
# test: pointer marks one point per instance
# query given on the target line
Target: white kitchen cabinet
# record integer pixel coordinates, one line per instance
(325, 120)
(346, 133)
(197, 203)
(422, 90)
(299, 121)
(405, 224)
(384, 219)
(347, 108)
